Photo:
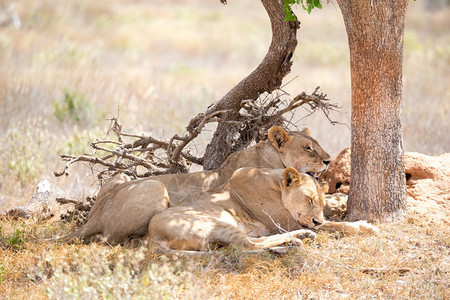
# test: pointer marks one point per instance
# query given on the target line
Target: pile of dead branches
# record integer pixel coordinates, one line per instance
(79, 214)
(139, 155)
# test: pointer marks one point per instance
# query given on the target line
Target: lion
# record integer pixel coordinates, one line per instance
(246, 211)
(280, 150)
(249, 212)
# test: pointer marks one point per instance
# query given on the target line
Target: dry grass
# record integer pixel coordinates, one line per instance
(157, 64)
(409, 259)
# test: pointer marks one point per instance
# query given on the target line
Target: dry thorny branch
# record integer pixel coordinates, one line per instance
(138, 155)
(80, 212)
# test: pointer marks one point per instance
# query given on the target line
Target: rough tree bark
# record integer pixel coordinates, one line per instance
(267, 77)
(375, 35)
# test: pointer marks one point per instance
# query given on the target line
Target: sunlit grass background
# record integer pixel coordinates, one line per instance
(156, 64)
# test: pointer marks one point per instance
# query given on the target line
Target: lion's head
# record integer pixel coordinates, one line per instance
(303, 197)
(299, 150)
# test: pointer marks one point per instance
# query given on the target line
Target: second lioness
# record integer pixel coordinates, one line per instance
(295, 149)
(249, 211)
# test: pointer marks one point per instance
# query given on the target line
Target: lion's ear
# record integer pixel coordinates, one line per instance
(291, 177)
(324, 186)
(306, 131)
(279, 137)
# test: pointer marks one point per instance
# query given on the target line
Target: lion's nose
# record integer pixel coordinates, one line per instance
(316, 223)
(326, 162)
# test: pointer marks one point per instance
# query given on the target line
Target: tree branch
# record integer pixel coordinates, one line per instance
(267, 77)
(154, 156)
(243, 116)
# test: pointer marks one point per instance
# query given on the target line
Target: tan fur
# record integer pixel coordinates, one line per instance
(127, 213)
(249, 211)
(280, 150)
(253, 206)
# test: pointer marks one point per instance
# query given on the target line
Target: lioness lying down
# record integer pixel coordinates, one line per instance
(249, 211)
(281, 150)
(244, 211)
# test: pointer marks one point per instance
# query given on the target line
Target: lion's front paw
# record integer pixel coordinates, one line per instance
(305, 234)
(365, 227)
(296, 242)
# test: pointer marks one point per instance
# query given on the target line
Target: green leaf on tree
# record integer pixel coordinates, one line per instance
(307, 5)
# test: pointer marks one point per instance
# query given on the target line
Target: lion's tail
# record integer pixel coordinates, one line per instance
(71, 237)
(84, 233)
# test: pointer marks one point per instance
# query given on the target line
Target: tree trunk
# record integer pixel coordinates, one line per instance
(375, 34)
(266, 77)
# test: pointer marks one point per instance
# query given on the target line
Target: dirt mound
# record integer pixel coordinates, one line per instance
(338, 173)
(427, 181)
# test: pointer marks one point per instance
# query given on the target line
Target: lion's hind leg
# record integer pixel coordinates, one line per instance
(182, 228)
